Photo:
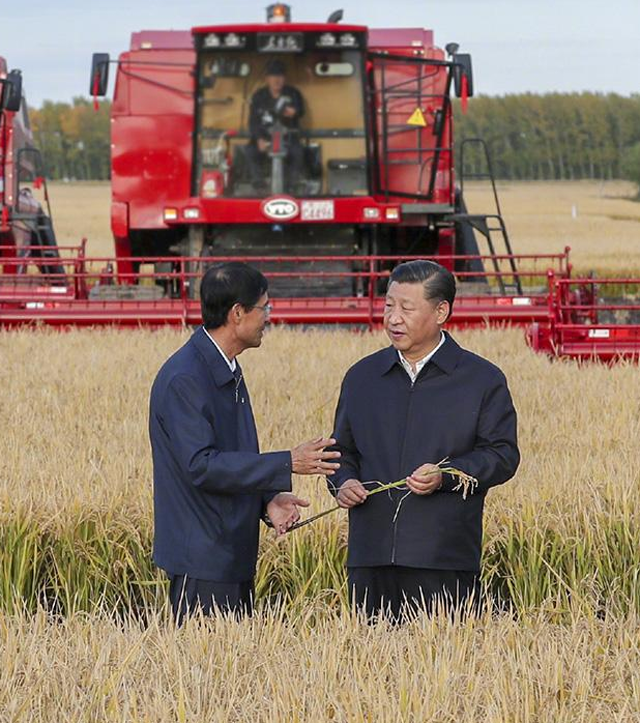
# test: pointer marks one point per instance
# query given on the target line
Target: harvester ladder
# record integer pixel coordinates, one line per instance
(489, 225)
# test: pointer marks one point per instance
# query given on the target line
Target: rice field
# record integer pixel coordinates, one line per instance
(604, 235)
(85, 633)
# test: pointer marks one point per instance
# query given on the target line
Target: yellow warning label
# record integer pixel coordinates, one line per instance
(417, 118)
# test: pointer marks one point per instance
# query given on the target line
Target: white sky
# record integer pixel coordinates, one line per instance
(517, 45)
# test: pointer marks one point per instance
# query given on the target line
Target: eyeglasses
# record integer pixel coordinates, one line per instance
(265, 309)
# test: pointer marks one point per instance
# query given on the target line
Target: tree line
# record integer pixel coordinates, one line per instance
(537, 137)
(554, 136)
(73, 139)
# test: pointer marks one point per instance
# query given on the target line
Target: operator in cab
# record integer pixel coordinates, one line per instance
(275, 103)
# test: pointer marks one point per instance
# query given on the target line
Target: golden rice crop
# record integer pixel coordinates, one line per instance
(320, 666)
(75, 491)
(75, 531)
(539, 217)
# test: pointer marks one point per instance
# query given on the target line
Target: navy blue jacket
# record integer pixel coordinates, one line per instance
(386, 427)
(210, 484)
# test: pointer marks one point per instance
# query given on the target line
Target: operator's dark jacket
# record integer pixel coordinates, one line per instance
(262, 114)
(460, 408)
(210, 483)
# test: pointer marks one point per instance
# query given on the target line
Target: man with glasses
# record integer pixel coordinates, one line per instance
(212, 486)
(401, 412)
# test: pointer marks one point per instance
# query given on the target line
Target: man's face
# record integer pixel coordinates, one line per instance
(253, 322)
(412, 322)
(275, 83)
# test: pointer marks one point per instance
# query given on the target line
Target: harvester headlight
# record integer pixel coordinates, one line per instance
(170, 214)
(327, 40)
(211, 41)
(192, 213)
(371, 213)
(392, 214)
(348, 40)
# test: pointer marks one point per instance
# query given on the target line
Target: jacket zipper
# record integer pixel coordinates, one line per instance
(404, 444)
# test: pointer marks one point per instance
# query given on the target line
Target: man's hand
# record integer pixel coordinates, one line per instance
(263, 145)
(311, 458)
(425, 480)
(283, 511)
(351, 493)
(289, 112)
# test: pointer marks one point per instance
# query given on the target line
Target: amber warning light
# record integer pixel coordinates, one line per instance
(279, 13)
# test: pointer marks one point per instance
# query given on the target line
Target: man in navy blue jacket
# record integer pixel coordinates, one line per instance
(401, 411)
(211, 484)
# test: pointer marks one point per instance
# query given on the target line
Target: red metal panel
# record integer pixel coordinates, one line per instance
(120, 219)
(151, 133)
(397, 38)
(231, 210)
(162, 40)
(151, 162)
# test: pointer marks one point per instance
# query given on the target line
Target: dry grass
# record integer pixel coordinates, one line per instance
(320, 668)
(604, 237)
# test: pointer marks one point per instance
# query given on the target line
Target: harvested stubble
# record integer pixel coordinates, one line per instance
(75, 491)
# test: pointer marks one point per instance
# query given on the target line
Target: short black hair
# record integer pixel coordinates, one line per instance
(275, 67)
(225, 285)
(438, 283)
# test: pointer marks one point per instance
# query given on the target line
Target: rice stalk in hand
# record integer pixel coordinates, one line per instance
(466, 483)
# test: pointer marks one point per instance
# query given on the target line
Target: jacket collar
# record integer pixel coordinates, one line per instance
(446, 358)
(217, 365)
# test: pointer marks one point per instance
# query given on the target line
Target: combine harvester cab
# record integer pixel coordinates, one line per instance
(363, 179)
(27, 239)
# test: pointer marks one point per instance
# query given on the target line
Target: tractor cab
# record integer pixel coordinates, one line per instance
(280, 108)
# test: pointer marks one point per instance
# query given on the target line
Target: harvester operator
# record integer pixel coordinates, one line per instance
(275, 102)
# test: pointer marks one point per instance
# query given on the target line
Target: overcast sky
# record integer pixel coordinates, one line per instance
(517, 45)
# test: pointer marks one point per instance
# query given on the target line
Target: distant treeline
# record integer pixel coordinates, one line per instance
(553, 136)
(73, 139)
(539, 137)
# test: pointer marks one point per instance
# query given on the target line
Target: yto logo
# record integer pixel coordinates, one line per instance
(280, 209)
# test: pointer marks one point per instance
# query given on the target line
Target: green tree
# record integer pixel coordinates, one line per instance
(631, 165)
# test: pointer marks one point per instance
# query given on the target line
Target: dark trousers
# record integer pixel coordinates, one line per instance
(400, 592)
(190, 596)
(294, 162)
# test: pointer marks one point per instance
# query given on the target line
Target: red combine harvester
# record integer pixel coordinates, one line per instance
(347, 170)
(26, 229)
(325, 205)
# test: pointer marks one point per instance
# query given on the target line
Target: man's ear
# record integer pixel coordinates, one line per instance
(235, 314)
(444, 311)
